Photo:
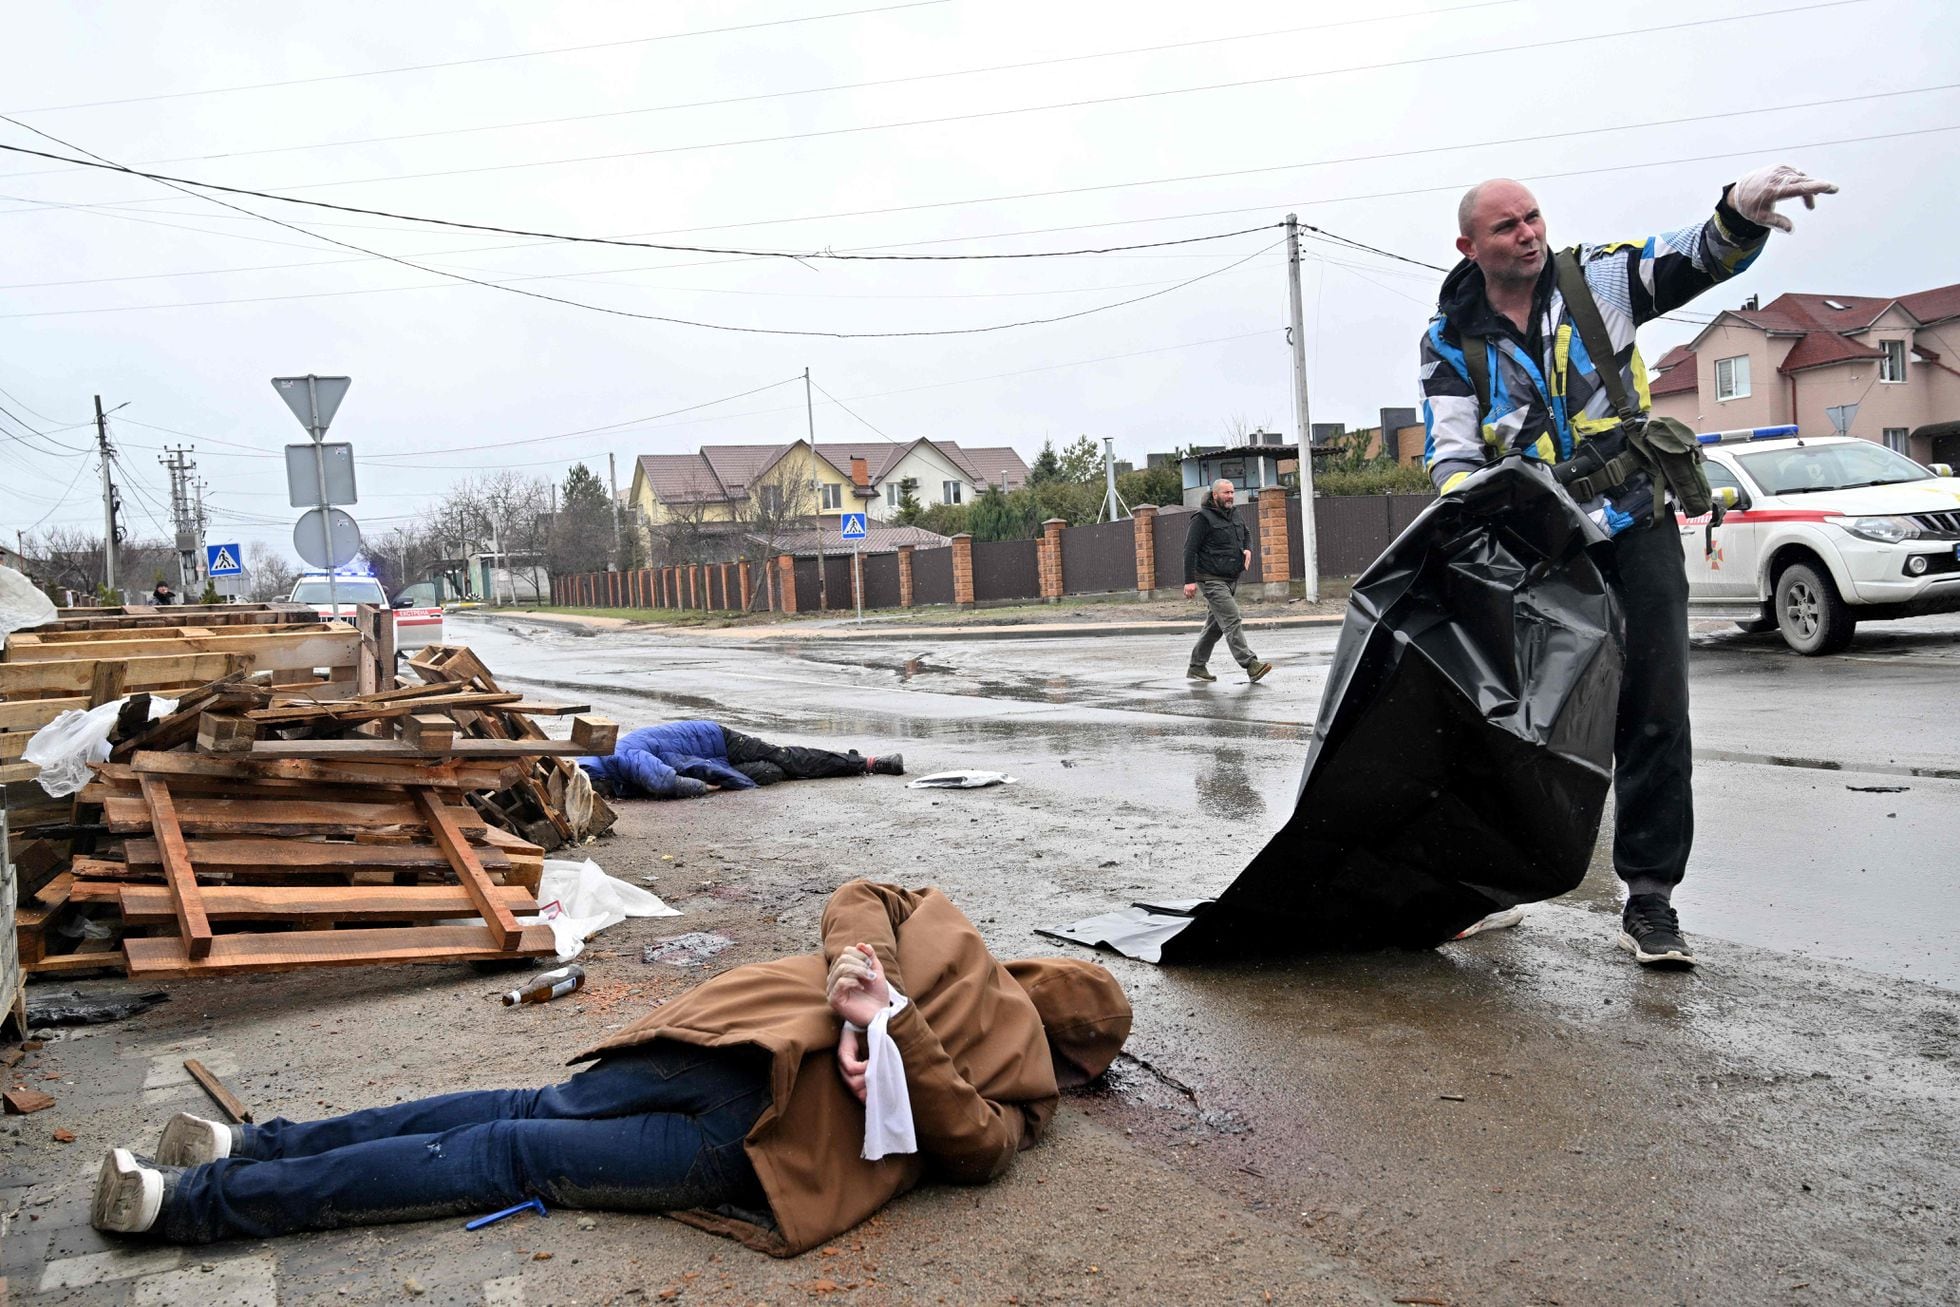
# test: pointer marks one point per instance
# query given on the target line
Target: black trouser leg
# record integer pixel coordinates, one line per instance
(796, 764)
(1653, 794)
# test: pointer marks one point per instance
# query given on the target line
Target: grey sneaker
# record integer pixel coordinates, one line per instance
(1197, 673)
(1257, 670)
(128, 1194)
(192, 1141)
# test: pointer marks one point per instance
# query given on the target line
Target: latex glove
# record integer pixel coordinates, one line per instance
(1755, 194)
(856, 988)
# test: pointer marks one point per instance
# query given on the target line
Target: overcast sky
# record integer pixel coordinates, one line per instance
(803, 132)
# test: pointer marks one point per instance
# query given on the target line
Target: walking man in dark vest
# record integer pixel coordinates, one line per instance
(1533, 354)
(1217, 551)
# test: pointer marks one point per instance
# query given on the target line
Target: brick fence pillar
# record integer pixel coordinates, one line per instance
(745, 582)
(963, 570)
(1048, 559)
(1275, 568)
(905, 576)
(786, 581)
(694, 585)
(1144, 522)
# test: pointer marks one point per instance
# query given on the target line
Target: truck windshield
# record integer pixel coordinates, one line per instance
(1806, 469)
(347, 589)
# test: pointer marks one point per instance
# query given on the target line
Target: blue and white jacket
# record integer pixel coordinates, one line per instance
(1545, 394)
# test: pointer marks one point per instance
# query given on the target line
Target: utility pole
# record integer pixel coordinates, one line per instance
(1297, 335)
(108, 500)
(183, 516)
(612, 475)
(810, 421)
(1113, 506)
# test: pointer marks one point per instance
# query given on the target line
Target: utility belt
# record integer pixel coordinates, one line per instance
(1662, 447)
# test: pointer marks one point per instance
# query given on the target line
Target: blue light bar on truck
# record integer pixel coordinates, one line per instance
(1746, 433)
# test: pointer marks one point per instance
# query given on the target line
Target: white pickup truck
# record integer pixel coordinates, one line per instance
(1825, 532)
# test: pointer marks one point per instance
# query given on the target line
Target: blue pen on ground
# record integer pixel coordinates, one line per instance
(529, 1204)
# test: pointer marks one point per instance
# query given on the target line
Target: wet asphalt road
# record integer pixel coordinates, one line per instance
(1827, 790)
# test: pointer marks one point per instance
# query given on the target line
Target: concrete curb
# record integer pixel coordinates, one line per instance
(788, 633)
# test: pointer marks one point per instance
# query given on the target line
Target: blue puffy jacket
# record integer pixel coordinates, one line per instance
(675, 760)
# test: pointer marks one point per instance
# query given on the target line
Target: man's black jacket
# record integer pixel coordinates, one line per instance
(1216, 544)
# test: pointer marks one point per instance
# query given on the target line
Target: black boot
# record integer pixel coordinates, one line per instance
(891, 764)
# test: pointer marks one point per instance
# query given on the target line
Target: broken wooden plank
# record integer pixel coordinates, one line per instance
(226, 1100)
(363, 708)
(149, 905)
(224, 733)
(492, 774)
(319, 646)
(163, 957)
(32, 714)
(209, 816)
(469, 868)
(594, 735)
(433, 732)
(534, 709)
(178, 874)
(105, 678)
(471, 750)
(289, 858)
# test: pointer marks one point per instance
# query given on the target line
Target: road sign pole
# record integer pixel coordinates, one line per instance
(857, 578)
(319, 433)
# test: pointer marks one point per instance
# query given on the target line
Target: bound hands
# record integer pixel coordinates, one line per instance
(857, 993)
(1755, 194)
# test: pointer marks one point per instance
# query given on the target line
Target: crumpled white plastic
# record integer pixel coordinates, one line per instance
(21, 604)
(961, 780)
(887, 1104)
(579, 900)
(65, 747)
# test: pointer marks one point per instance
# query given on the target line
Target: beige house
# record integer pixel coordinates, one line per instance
(1785, 363)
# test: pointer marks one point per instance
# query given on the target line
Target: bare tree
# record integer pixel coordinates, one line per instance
(269, 575)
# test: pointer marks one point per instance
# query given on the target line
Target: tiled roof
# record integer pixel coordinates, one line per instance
(683, 479)
(1680, 376)
(986, 463)
(1931, 306)
(1820, 347)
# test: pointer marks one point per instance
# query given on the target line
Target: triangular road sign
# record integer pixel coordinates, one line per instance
(314, 406)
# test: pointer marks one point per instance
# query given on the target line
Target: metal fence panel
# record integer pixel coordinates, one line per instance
(806, 585)
(1173, 524)
(1100, 559)
(837, 581)
(1005, 569)
(932, 575)
(881, 581)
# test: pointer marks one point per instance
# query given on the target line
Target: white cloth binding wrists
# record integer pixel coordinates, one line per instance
(887, 1105)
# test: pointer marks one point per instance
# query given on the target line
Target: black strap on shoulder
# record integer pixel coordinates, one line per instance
(1592, 330)
(1476, 359)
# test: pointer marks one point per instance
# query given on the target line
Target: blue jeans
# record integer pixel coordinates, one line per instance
(649, 1130)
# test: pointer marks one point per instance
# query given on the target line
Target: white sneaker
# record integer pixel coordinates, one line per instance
(192, 1141)
(128, 1195)
(1503, 920)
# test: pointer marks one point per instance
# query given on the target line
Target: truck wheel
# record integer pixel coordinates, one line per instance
(1813, 618)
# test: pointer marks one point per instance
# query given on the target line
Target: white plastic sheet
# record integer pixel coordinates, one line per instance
(961, 780)
(65, 747)
(21, 605)
(579, 900)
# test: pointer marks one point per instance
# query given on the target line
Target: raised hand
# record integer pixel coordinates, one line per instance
(1756, 194)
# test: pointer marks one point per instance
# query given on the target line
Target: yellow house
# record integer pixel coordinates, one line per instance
(724, 488)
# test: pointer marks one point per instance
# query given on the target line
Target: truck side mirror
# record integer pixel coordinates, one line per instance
(1728, 496)
(1940, 469)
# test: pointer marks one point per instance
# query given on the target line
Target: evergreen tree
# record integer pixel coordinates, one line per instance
(1082, 461)
(582, 536)
(1047, 467)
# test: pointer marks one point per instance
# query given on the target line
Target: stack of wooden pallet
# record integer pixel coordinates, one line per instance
(266, 826)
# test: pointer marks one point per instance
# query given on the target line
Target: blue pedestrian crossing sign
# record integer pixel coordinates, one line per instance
(854, 527)
(224, 560)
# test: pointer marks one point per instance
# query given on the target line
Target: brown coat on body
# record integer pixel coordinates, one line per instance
(978, 1067)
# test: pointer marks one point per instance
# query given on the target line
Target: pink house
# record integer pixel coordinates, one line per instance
(1788, 361)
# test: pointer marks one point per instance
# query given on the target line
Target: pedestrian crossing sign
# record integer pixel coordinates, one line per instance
(854, 527)
(223, 560)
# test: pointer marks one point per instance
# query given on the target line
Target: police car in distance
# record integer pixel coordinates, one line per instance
(351, 591)
(1824, 532)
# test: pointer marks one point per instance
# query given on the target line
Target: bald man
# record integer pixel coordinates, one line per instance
(1505, 371)
(1217, 551)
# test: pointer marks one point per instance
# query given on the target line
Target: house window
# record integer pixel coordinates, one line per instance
(951, 490)
(1732, 377)
(1897, 438)
(1893, 366)
(833, 497)
(770, 500)
(892, 494)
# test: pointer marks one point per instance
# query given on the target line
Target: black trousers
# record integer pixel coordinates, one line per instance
(1653, 762)
(766, 763)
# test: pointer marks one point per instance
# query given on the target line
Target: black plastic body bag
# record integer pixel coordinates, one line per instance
(1463, 749)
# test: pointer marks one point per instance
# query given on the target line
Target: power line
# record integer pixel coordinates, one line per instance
(910, 79)
(80, 467)
(1022, 110)
(848, 409)
(481, 59)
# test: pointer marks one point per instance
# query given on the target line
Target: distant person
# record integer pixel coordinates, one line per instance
(1506, 369)
(682, 760)
(780, 1103)
(163, 594)
(1217, 551)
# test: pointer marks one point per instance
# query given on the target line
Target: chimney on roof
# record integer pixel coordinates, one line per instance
(860, 472)
(1750, 305)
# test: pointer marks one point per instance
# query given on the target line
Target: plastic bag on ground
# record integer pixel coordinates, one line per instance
(579, 900)
(65, 747)
(961, 780)
(1463, 750)
(22, 605)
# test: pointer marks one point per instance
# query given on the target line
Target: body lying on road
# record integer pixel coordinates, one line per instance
(780, 1103)
(683, 760)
